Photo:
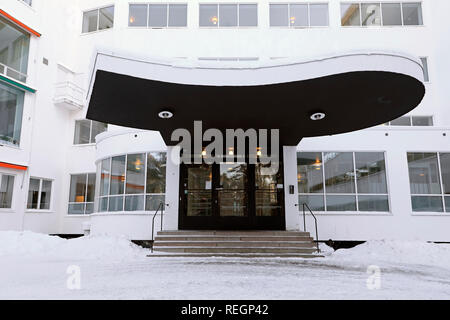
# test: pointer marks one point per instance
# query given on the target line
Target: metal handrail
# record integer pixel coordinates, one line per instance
(315, 221)
(160, 207)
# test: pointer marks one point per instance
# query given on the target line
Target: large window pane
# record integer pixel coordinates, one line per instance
(427, 204)
(371, 172)
(422, 121)
(76, 208)
(157, 15)
(6, 191)
(309, 172)
(371, 14)
(279, 15)
(248, 15)
(138, 14)
(373, 203)
(134, 203)
(90, 21)
(11, 109)
(97, 128)
(341, 203)
(298, 16)
(412, 14)
(106, 18)
(447, 204)
(424, 173)
(339, 175)
(177, 15)
(117, 175)
(46, 193)
(105, 176)
(33, 194)
(156, 172)
(77, 188)
(392, 15)
(135, 173)
(445, 168)
(350, 14)
(314, 202)
(209, 15)
(115, 204)
(90, 188)
(402, 121)
(14, 47)
(318, 15)
(153, 202)
(82, 132)
(228, 15)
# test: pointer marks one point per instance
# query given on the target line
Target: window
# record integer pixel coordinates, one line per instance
(98, 19)
(81, 195)
(39, 194)
(379, 13)
(6, 191)
(342, 181)
(28, 2)
(415, 121)
(14, 47)
(87, 130)
(228, 15)
(133, 182)
(299, 15)
(159, 15)
(429, 179)
(11, 110)
(426, 76)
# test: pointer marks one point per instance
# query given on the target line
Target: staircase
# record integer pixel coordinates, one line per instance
(290, 244)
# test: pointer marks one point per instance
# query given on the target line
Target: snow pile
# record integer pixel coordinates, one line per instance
(394, 252)
(13, 243)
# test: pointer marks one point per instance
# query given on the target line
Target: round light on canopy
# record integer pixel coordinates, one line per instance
(165, 114)
(317, 116)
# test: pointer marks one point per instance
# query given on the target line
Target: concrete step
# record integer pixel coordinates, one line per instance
(302, 244)
(235, 255)
(293, 250)
(232, 233)
(231, 238)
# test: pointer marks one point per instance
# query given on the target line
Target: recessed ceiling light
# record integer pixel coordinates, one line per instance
(317, 116)
(165, 114)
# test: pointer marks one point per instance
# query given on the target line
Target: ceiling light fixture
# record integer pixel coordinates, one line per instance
(317, 116)
(165, 114)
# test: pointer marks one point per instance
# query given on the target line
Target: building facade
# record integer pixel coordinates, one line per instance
(62, 173)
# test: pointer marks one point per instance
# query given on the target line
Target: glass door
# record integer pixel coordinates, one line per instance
(232, 193)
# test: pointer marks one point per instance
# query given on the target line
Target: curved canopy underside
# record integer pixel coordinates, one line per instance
(351, 97)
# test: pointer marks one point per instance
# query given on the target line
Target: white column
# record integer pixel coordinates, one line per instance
(290, 179)
(170, 221)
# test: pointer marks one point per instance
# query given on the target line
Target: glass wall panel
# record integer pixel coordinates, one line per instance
(445, 169)
(46, 192)
(6, 191)
(422, 121)
(157, 15)
(134, 203)
(447, 204)
(209, 15)
(248, 15)
(105, 177)
(412, 14)
(156, 172)
(115, 204)
(117, 175)
(33, 194)
(378, 203)
(309, 172)
(228, 15)
(427, 204)
(350, 14)
(339, 172)
(392, 14)
(11, 110)
(106, 18)
(315, 202)
(298, 15)
(14, 48)
(318, 15)
(138, 14)
(135, 173)
(424, 173)
(97, 128)
(77, 188)
(341, 203)
(90, 194)
(371, 14)
(371, 172)
(76, 208)
(402, 121)
(82, 132)
(154, 201)
(90, 21)
(279, 15)
(177, 15)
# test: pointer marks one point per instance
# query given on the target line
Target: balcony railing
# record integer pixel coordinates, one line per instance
(69, 95)
(12, 73)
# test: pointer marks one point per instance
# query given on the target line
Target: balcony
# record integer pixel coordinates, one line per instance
(68, 95)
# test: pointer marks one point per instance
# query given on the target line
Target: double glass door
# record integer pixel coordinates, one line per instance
(230, 195)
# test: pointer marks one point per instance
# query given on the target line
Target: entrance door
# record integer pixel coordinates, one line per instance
(230, 196)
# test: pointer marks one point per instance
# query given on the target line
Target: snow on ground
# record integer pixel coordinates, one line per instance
(35, 266)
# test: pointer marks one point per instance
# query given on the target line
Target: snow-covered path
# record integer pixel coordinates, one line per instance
(122, 271)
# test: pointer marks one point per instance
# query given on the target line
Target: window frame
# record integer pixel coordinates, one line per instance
(124, 194)
(167, 17)
(38, 210)
(238, 26)
(411, 117)
(98, 18)
(12, 208)
(90, 133)
(442, 195)
(355, 181)
(289, 26)
(86, 190)
(401, 2)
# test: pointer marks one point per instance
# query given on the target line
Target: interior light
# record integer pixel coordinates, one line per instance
(165, 114)
(292, 19)
(317, 116)
(131, 19)
(203, 152)
(214, 20)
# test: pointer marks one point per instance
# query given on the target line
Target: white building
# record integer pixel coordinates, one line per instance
(391, 180)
